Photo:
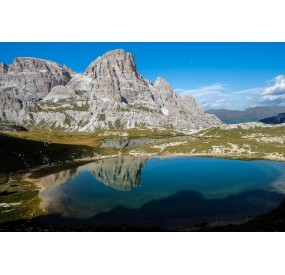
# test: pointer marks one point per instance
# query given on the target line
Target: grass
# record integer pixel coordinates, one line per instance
(3, 178)
(101, 117)
(19, 200)
(248, 147)
(204, 143)
(17, 153)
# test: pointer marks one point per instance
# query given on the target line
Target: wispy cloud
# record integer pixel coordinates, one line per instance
(218, 96)
(204, 89)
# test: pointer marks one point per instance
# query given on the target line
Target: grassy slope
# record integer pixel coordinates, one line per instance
(18, 154)
(234, 143)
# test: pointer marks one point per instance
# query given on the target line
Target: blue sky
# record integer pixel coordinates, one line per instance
(229, 75)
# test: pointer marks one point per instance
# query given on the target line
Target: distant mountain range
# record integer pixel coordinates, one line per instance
(253, 114)
(37, 93)
(280, 118)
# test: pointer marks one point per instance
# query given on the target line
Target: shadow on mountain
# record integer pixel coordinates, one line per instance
(180, 211)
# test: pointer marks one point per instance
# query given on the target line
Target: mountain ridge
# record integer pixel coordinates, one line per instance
(111, 93)
(253, 114)
(278, 119)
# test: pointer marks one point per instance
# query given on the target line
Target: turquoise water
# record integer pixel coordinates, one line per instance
(169, 192)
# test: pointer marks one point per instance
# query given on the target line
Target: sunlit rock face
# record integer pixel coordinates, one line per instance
(25, 82)
(116, 78)
(109, 94)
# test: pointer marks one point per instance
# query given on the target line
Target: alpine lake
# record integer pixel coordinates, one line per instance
(169, 193)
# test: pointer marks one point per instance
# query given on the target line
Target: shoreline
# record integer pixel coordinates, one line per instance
(228, 157)
(26, 173)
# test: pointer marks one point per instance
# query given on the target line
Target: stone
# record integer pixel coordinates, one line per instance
(110, 94)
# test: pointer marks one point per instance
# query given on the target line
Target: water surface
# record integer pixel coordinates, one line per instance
(169, 192)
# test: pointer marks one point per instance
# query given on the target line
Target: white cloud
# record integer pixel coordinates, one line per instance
(217, 96)
(275, 93)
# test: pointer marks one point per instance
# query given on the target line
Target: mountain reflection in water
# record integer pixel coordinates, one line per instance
(79, 192)
(122, 173)
(140, 190)
(121, 143)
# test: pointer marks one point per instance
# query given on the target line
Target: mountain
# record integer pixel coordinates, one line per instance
(253, 114)
(26, 82)
(280, 118)
(110, 94)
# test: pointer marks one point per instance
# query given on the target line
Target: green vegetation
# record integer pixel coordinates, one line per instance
(9, 89)
(39, 148)
(258, 143)
(3, 178)
(19, 200)
(102, 117)
(80, 92)
(58, 107)
(57, 145)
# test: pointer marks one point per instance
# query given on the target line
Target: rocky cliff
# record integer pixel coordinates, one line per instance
(26, 82)
(110, 94)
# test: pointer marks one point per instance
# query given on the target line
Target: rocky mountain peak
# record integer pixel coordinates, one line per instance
(116, 54)
(161, 82)
(113, 62)
(26, 81)
(162, 86)
(110, 94)
(31, 64)
(3, 68)
(116, 78)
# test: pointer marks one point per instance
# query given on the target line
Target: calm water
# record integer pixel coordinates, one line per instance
(170, 192)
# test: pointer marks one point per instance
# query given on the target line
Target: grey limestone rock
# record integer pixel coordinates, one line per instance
(109, 94)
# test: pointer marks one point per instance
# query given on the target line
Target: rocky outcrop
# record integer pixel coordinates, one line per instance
(32, 78)
(116, 78)
(25, 82)
(279, 119)
(110, 94)
(3, 68)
